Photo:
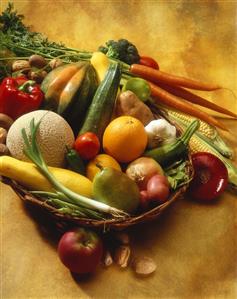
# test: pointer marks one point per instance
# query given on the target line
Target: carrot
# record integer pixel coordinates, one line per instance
(195, 99)
(157, 76)
(172, 101)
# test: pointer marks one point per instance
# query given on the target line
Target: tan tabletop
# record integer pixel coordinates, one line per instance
(193, 244)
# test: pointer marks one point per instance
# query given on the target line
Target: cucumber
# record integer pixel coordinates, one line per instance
(102, 105)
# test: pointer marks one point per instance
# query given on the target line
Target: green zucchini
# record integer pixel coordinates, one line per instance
(102, 105)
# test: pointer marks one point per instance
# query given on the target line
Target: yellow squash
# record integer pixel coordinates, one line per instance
(27, 175)
(101, 64)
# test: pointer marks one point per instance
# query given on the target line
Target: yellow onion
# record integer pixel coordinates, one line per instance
(142, 169)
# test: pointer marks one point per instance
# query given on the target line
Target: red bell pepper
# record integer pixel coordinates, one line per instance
(19, 96)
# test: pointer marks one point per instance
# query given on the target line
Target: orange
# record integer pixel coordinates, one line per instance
(101, 160)
(125, 139)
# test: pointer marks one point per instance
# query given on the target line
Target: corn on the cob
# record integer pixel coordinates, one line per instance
(205, 131)
(198, 143)
(204, 128)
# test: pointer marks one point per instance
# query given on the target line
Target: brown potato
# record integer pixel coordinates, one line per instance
(3, 135)
(20, 65)
(129, 104)
(3, 150)
(37, 61)
(5, 121)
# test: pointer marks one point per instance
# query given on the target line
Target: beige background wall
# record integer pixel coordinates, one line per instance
(194, 245)
(191, 38)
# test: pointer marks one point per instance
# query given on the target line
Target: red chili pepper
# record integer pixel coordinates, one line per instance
(19, 96)
(148, 61)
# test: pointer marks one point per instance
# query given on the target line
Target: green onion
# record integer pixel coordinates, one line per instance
(32, 151)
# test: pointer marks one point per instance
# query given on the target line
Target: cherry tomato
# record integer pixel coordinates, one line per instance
(87, 145)
(148, 61)
(158, 188)
(210, 177)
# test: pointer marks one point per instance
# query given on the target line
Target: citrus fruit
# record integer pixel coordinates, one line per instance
(125, 139)
(99, 162)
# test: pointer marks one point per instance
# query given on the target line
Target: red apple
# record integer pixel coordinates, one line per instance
(80, 250)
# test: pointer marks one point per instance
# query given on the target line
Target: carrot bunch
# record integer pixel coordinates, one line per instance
(171, 90)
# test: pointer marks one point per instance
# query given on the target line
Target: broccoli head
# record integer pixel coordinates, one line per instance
(122, 50)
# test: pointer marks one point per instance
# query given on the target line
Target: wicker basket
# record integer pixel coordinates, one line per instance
(62, 221)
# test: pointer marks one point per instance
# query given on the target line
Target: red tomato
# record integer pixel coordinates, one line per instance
(87, 145)
(210, 177)
(148, 61)
(80, 250)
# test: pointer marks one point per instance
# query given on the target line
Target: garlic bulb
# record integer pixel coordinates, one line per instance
(159, 132)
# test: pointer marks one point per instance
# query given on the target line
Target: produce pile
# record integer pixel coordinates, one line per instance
(103, 137)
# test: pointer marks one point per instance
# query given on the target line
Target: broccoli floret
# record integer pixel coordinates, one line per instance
(103, 49)
(122, 50)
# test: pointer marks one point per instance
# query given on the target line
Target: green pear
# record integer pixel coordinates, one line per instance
(116, 189)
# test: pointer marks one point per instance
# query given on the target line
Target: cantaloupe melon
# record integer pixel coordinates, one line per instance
(53, 136)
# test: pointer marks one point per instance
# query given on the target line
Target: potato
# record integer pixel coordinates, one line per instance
(129, 104)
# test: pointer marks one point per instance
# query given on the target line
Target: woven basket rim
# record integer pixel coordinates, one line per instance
(151, 214)
(105, 224)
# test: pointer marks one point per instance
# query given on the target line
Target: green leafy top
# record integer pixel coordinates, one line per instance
(178, 174)
(22, 41)
(11, 20)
